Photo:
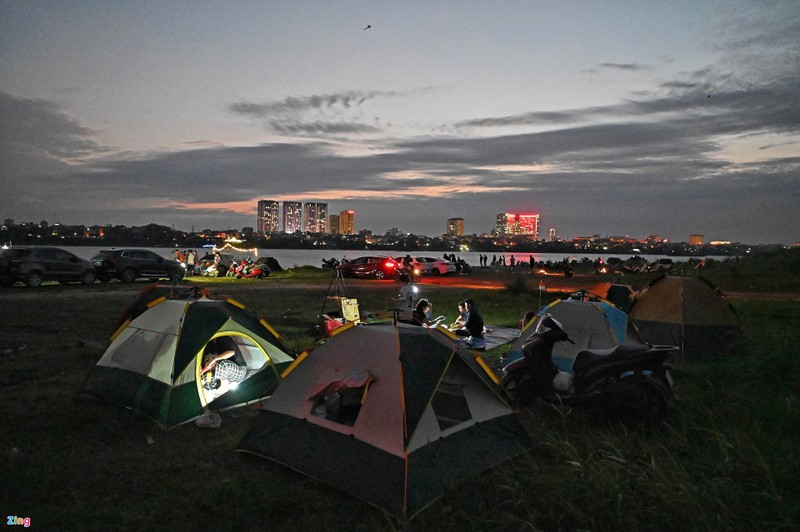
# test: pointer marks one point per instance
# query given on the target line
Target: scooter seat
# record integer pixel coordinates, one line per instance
(589, 357)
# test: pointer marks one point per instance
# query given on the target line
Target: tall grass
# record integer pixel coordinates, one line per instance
(726, 459)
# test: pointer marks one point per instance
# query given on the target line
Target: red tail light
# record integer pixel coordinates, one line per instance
(390, 264)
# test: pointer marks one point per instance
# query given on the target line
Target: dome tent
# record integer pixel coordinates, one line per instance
(153, 363)
(590, 325)
(392, 414)
(688, 312)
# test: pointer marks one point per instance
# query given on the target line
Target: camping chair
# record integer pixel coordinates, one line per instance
(348, 307)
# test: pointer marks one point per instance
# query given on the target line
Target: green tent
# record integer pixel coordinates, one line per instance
(688, 312)
(392, 414)
(153, 293)
(153, 363)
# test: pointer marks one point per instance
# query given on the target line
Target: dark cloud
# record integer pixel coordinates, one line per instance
(633, 67)
(39, 129)
(39, 144)
(294, 105)
(317, 128)
(298, 116)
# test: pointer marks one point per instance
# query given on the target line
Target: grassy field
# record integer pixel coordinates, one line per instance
(727, 459)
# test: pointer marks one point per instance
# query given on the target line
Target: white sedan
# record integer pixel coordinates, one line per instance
(437, 266)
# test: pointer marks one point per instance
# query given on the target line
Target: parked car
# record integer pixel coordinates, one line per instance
(127, 265)
(376, 267)
(438, 266)
(34, 265)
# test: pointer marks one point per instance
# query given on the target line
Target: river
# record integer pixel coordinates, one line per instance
(291, 258)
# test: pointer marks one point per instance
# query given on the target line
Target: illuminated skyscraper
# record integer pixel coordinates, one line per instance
(455, 227)
(509, 224)
(505, 224)
(696, 240)
(347, 222)
(528, 225)
(292, 216)
(269, 220)
(316, 215)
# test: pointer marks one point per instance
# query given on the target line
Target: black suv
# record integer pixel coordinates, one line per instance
(34, 265)
(130, 264)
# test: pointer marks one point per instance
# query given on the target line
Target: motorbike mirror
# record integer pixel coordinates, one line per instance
(549, 322)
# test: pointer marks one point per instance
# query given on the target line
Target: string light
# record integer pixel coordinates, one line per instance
(254, 251)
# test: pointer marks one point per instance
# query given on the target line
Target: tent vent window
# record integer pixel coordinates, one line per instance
(340, 407)
(450, 406)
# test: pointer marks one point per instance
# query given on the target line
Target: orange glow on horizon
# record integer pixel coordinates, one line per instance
(249, 207)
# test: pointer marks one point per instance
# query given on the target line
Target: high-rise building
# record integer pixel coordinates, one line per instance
(455, 227)
(505, 224)
(316, 215)
(333, 224)
(347, 222)
(292, 216)
(696, 240)
(510, 224)
(269, 220)
(552, 235)
(529, 225)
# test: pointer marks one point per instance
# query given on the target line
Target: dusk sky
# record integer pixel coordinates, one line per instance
(609, 117)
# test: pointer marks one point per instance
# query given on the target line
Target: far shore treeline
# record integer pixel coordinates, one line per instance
(154, 235)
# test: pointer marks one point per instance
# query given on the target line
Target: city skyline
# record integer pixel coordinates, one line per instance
(613, 118)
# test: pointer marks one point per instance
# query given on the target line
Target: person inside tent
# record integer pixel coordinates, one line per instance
(224, 367)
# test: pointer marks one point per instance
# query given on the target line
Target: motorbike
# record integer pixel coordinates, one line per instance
(330, 264)
(212, 270)
(628, 380)
(234, 268)
(408, 274)
(250, 270)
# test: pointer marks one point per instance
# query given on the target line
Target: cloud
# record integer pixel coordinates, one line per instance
(632, 67)
(300, 116)
(38, 129)
(39, 145)
(318, 128)
(293, 105)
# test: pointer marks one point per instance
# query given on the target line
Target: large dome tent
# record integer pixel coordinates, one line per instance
(688, 312)
(392, 414)
(154, 362)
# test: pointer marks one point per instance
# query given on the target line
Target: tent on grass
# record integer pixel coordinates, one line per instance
(392, 414)
(688, 312)
(154, 362)
(590, 324)
(154, 293)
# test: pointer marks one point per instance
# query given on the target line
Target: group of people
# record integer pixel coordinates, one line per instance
(189, 258)
(468, 325)
(500, 262)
